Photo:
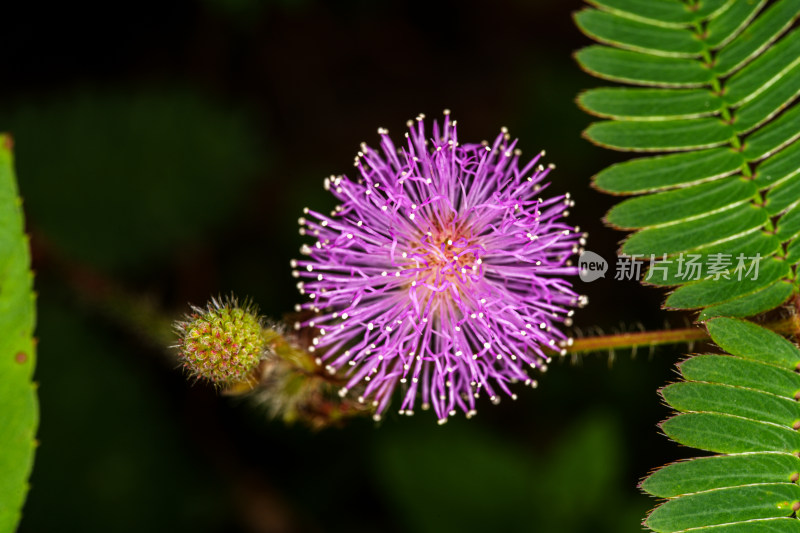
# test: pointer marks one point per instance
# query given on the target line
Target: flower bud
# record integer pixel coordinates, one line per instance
(222, 344)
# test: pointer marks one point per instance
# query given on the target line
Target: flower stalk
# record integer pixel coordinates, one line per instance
(292, 386)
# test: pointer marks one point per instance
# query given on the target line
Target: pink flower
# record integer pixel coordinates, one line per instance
(441, 272)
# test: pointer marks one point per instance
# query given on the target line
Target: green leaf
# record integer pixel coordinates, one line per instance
(723, 399)
(731, 108)
(742, 373)
(707, 473)
(703, 219)
(770, 525)
(793, 252)
(730, 434)
(784, 195)
(647, 174)
(716, 291)
(768, 69)
(19, 416)
(649, 104)
(692, 234)
(695, 265)
(681, 204)
(666, 13)
(744, 404)
(775, 21)
(731, 22)
(642, 69)
(723, 506)
(637, 35)
(773, 100)
(789, 224)
(660, 136)
(774, 136)
(780, 167)
(745, 339)
(752, 304)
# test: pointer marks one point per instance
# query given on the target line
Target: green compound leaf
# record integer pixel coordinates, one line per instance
(743, 405)
(722, 85)
(756, 112)
(722, 29)
(648, 174)
(724, 506)
(643, 69)
(19, 416)
(717, 291)
(696, 232)
(666, 13)
(774, 136)
(770, 525)
(730, 434)
(681, 204)
(650, 104)
(751, 304)
(677, 272)
(764, 71)
(717, 472)
(750, 341)
(742, 373)
(660, 136)
(640, 36)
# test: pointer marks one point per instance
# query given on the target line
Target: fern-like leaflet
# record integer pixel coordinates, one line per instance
(743, 405)
(718, 83)
(721, 79)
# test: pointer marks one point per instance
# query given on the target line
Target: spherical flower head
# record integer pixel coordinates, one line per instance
(441, 271)
(222, 344)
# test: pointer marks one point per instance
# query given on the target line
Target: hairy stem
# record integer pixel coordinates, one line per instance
(786, 326)
(637, 339)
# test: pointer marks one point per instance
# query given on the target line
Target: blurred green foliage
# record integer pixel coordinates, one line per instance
(462, 478)
(118, 177)
(112, 457)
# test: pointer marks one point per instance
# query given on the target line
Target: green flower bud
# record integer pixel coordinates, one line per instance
(222, 344)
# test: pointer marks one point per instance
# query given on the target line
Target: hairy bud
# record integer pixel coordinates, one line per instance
(223, 343)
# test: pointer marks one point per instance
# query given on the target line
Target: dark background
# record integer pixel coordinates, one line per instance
(164, 153)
